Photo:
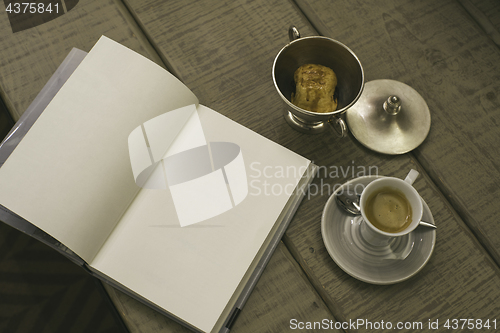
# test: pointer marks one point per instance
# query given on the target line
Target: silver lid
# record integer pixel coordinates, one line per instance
(390, 117)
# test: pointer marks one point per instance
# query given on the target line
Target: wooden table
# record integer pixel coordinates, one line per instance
(223, 51)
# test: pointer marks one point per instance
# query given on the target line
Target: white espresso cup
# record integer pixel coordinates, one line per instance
(369, 231)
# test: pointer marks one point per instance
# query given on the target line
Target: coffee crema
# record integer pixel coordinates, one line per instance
(388, 210)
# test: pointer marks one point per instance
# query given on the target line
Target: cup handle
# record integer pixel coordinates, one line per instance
(293, 33)
(412, 176)
(339, 126)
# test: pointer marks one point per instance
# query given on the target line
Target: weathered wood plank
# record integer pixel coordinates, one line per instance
(282, 294)
(486, 13)
(224, 53)
(437, 48)
(29, 58)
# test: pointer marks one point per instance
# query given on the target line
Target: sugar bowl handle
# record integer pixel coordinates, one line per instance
(339, 126)
(293, 33)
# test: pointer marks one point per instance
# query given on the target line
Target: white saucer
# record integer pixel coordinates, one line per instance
(365, 263)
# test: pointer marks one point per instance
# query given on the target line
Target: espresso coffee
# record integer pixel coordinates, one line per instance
(388, 210)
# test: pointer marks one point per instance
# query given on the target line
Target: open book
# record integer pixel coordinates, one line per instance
(160, 196)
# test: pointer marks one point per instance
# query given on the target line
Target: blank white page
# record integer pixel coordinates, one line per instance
(193, 271)
(70, 175)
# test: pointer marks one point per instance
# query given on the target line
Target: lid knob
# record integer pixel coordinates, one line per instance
(393, 105)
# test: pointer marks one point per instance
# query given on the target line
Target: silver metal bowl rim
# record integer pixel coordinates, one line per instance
(312, 113)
